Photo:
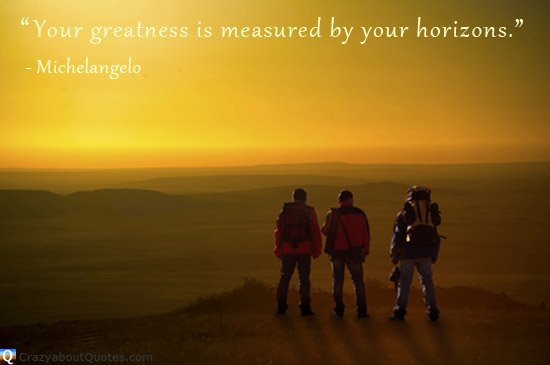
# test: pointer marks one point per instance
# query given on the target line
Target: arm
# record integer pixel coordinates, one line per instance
(435, 213)
(316, 234)
(398, 238)
(436, 220)
(326, 225)
(329, 231)
(366, 235)
(277, 234)
(436, 248)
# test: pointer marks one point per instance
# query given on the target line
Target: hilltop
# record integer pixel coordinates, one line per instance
(240, 327)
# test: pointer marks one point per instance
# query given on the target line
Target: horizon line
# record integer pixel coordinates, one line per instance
(271, 165)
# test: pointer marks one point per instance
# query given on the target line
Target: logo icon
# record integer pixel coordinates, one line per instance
(8, 356)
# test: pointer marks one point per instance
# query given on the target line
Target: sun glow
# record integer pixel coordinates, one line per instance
(246, 101)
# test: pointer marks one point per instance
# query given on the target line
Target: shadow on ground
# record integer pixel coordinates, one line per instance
(240, 327)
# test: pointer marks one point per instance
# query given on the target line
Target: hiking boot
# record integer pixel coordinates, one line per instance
(336, 313)
(362, 313)
(398, 315)
(305, 309)
(433, 315)
(281, 309)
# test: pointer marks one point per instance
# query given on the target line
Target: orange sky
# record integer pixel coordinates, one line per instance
(247, 101)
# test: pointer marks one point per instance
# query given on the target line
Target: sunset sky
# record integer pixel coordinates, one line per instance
(250, 101)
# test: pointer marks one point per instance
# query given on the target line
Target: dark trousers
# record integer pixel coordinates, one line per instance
(356, 270)
(424, 268)
(288, 263)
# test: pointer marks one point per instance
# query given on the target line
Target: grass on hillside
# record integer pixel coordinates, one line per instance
(240, 327)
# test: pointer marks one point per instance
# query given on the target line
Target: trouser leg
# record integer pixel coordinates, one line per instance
(356, 271)
(338, 267)
(288, 263)
(424, 267)
(404, 286)
(304, 269)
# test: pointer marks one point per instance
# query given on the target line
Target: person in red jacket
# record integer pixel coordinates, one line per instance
(297, 239)
(348, 243)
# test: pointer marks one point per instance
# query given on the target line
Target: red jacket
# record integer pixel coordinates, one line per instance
(312, 247)
(357, 227)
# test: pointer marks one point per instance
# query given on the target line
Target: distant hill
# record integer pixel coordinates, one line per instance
(137, 248)
(66, 181)
(132, 201)
(21, 204)
(240, 327)
(25, 204)
(320, 196)
(18, 204)
(224, 183)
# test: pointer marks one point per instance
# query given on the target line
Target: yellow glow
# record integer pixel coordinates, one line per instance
(245, 101)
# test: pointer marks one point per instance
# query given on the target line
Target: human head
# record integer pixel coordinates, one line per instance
(299, 195)
(345, 195)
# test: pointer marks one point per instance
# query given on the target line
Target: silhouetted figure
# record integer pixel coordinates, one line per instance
(348, 243)
(415, 243)
(297, 239)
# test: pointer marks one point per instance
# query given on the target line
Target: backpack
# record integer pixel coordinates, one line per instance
(295, 223)
(419, 213)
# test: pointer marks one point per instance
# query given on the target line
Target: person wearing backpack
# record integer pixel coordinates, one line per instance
(415, 244)
(348, 243)
(297, 239)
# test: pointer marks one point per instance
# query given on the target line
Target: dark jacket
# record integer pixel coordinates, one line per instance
(357, 228)
(400, 249)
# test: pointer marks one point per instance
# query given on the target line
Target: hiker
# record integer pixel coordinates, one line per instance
(297, 239)
(415, 243)
(348, 243)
